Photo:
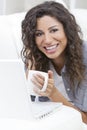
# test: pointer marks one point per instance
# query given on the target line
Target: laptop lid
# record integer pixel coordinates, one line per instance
(14, 99)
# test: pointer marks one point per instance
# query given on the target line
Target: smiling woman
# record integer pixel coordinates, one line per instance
(50, 37)
(52, 43)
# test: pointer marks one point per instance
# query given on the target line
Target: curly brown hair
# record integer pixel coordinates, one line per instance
(74, 56)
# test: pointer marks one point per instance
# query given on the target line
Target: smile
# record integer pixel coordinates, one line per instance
(51, 47)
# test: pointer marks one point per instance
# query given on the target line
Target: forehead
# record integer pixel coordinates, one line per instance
(47, 21)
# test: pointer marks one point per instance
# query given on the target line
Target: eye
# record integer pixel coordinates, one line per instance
(38, 34)
(54, 30)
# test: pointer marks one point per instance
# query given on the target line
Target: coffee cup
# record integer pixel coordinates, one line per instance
(31, 85)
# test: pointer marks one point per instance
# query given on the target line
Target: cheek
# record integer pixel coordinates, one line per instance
(38, 41)
(63, 38)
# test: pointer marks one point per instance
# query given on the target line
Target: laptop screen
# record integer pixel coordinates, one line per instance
(14, 100)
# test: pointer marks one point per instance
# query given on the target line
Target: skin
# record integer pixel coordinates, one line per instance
(50, 38)
(52, 41)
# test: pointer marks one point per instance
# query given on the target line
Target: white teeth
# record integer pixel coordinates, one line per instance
(51, 47)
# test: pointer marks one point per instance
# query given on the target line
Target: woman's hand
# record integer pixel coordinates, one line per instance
(38, 80)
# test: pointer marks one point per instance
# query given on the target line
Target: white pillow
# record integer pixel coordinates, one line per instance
(10, 36)
(7, 48)
(14, 21)
(81, 18)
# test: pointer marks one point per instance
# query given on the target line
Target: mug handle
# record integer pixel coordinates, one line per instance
(45, 84)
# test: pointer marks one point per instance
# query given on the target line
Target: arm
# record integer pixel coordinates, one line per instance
(58, 97)
(55, 96)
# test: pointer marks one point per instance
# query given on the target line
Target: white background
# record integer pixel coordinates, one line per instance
(13, 6)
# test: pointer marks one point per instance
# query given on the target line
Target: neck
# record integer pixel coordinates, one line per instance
(58, 64)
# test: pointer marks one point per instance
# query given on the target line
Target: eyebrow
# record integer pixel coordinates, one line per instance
(52, 27)
(48, 28)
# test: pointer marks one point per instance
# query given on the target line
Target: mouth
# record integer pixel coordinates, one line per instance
(51, 48)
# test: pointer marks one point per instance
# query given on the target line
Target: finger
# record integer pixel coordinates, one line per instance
(50, 74)
(51, 81)
(36, 90)
(39, 79)
(36, 83)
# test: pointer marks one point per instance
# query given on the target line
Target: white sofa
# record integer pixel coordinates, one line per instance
(81, 18)
(10, 36)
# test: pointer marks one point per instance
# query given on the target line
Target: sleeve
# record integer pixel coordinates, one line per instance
(81, 100)
(81, 92)
(81, 95)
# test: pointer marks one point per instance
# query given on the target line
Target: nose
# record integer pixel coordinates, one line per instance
(47, 38)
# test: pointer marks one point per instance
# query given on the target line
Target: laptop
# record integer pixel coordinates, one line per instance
(41, 110)
(14, 99)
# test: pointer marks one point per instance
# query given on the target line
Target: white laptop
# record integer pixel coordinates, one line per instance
(41, 110)
(15, 101)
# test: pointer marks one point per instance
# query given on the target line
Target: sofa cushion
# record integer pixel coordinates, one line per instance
(7, 48)
(81, 18)
(10, 36)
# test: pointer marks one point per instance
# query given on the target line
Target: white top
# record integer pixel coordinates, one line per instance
(59, 82)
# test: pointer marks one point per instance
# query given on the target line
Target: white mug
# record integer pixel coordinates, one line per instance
(31, 85)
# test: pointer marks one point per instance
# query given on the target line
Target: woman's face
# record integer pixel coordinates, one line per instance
(50, 37)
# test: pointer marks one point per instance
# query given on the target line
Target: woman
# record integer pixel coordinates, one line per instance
(52, 43)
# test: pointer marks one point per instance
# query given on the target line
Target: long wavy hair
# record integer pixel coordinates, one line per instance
(74, 55)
